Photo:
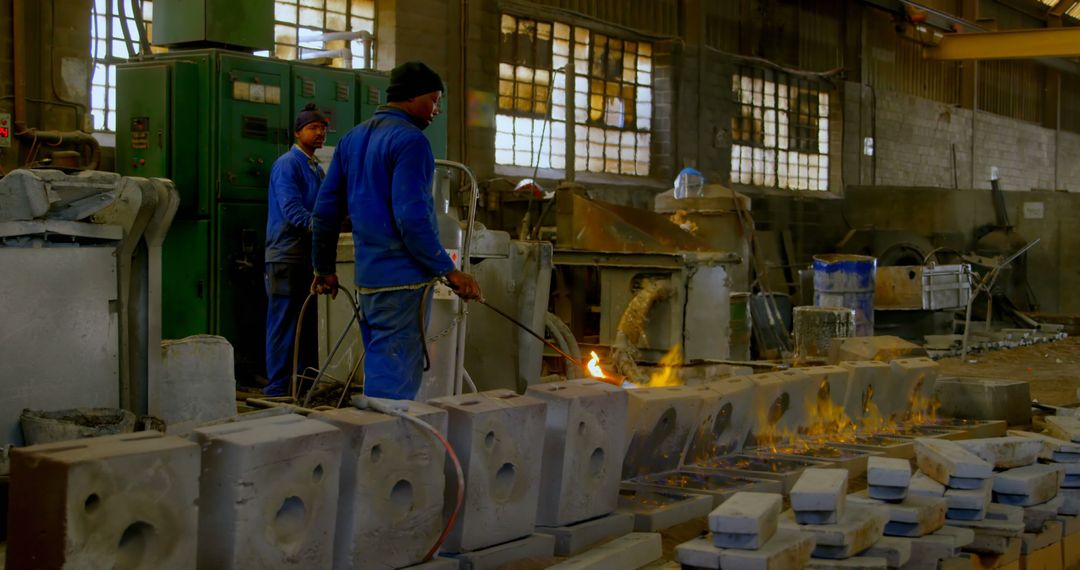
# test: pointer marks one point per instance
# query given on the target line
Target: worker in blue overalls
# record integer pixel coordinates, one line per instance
(382, 174)
(294, 184)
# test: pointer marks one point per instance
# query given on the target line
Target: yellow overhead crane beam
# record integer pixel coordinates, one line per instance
(1011, 44)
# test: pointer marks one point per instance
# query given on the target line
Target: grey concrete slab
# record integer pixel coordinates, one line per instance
(496, 435)
(819, 496)
(945, 461)
(268, 493)
(583, 451)
(494, 557)
(658, 510)
(576, 538)
(659, 424)
(985, 399)
(1004, 452)
(746, 520)
(392, 484)
(93, 503)
(631, 551)
(895, 551)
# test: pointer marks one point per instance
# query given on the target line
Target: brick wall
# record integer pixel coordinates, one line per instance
(918, 142)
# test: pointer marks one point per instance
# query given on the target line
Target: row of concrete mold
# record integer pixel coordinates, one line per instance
(106, 331)
(499, 438)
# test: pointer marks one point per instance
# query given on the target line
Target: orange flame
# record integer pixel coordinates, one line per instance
(668, 375)
(594, 366)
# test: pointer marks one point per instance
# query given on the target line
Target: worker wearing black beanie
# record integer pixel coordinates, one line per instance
(412, 79)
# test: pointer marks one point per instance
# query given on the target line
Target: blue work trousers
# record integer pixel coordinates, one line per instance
(287, 285)
(393, 344)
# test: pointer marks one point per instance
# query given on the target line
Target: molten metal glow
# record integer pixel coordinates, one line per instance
(594, 366)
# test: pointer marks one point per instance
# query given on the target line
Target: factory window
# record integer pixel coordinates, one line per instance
(109, 46)
(611, 99)
(779, 131)
(297, 21)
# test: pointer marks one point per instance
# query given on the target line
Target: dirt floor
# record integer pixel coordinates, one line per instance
(1053, 369)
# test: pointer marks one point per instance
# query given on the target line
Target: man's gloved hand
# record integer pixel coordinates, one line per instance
(463, 284)
(325, 285)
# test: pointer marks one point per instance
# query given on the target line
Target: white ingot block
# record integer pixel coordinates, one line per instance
(659, 423)
(114, 501)
(391, 486)
(724, 421)
(888, 478)
(1064, 427)
(1054, 449)
(745, 520)
(786, 549)
(859, 528)
(1027, 486)
(945, 461)
(583, 447)
(268, 493)
(819, 495)
(925, 486)
(914, 516)
(969, 504)
(785, 401)
(1004, 452)
(498, 435)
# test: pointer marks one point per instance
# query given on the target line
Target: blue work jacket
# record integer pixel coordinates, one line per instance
(294, 185)
(381, 173)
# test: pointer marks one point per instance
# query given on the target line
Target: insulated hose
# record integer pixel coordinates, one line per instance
(394, 408)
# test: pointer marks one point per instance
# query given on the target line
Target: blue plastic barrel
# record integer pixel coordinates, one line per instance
(847, 281)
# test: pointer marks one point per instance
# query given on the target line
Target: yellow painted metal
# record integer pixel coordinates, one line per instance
(1011, 44)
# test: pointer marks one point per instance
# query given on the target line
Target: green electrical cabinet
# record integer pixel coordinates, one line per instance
(332, 90)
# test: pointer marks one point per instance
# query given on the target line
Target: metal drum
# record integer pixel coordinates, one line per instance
(842, 280)
(741, 326)
(815, 327)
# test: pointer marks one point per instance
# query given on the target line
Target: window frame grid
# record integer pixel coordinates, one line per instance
(771, 130)
(600, 147)
(354, 15)
(103, 71)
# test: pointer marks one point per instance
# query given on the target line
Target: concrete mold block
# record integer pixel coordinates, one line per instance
(392, 484)
(268, 493)
(985, 399)
(831, 385)
(583, 451)
(784, 402)
(659, 424)
(1005, 452)
(498, 435)
(118, 501)
(724, 421)
(914, 382)
(869, 383)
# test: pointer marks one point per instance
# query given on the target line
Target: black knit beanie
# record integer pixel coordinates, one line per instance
(309, 114)
(412, 79)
